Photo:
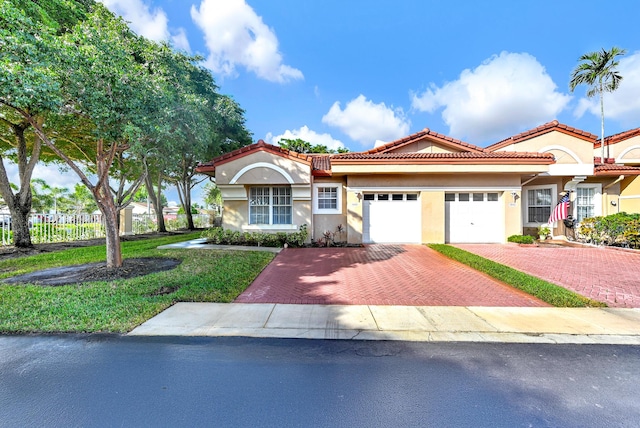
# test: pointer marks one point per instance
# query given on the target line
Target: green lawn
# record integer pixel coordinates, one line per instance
(119, 306)
(543, 290)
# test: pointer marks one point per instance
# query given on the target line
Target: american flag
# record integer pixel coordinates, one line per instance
(561, 211)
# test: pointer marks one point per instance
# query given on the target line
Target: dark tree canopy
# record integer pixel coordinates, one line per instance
(300, 146)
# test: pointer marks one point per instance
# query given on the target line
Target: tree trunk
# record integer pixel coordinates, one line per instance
(156, 200)
(184, 193)
(20, 225)
(114, 251)
(19, 204)
(107, 205)
(602, 122)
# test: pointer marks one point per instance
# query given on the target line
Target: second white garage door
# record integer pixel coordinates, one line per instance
(391, 218)
(473, 217)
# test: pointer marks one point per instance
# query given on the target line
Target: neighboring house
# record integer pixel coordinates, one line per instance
(428, 187)
(140, 208)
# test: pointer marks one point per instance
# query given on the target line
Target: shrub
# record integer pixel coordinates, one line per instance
(544, 231)
(521, 239)
(218, 235)
(617, 229)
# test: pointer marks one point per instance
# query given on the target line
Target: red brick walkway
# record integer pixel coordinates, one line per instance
(606, 275)
(410, 275)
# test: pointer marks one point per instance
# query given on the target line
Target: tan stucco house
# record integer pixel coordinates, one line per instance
(430, 188)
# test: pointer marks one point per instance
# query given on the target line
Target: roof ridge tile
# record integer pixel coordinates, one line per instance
(546, 127)
(621, 136)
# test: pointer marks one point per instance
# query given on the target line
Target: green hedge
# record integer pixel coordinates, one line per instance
(619, 229)
(521, 239)
(220, 236)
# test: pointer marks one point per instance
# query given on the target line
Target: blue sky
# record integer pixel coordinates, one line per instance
(361, 71)
(358, 73)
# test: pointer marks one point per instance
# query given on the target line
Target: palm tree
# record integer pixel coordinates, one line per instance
(598, 71)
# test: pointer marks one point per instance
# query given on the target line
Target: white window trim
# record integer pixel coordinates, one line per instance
(525, 202)
(338, 209)
(597, 199)
(258, 227)
(271, 225)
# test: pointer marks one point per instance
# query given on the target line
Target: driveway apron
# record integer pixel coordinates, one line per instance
(604, 274)
(410, 275)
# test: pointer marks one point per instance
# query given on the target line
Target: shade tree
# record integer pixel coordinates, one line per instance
(28, 31)
(93, 79)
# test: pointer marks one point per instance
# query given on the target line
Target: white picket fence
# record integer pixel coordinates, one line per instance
(49, 228)
(146, 223)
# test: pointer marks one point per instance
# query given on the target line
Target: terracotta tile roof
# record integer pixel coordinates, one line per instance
(616, 138)
(452, 142)
(598, 160)
(543, 129)
(321, 165)
(616, 169)
(462, 157)
(243, 151)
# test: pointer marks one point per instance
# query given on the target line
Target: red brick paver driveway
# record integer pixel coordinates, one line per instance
(602, 274)
(411, 275)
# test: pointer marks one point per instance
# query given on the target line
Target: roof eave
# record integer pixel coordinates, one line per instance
(615, 173)
(471, 161)
(206, 169)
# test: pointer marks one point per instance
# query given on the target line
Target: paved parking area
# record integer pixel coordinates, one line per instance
(607, 275)
(408, 275)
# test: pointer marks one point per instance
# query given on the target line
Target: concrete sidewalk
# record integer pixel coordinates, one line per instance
(411, 323)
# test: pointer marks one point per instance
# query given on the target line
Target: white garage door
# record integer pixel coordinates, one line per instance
(473, 217)
(391, 218)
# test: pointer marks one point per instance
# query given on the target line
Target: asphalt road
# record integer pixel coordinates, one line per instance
(218, 382)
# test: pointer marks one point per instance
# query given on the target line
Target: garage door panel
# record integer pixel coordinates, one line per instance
(473, 218)
(391, 220)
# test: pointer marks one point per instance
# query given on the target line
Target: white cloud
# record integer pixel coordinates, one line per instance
(502, 96)
(180, 41)
(235, 35)
(306, 134)
(54, 175)
(366, 122)
(147, 22)
(622, 105)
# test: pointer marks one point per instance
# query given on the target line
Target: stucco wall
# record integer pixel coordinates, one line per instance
(433, 221)
(260, 169)
(610, 198)
(512, 213)
(581, 148)
(630, 195)
(330, 222)
(354, 218)
(302, 213)
(624, 151)
(427, 181)
(235, 216)
(424, 146)
(299, 172)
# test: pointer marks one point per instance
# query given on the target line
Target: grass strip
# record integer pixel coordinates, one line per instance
(543, 290)
(118, 306)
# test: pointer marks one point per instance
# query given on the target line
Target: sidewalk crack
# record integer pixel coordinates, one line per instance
(269, 317)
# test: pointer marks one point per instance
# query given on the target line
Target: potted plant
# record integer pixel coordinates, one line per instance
(544, 232)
